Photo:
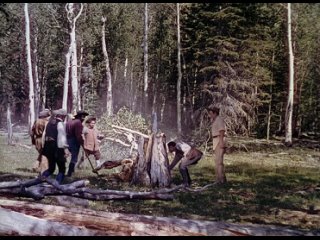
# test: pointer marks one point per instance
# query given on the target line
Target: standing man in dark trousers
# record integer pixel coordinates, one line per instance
(75, 139)
(55, 146)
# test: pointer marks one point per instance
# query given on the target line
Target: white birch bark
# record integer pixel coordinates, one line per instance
(9, 125)
(31, 117)
(145, 55)
(66, 80)
(36, 75)
(108, 71)
(289, 109)
(74, 65)
(179, 73)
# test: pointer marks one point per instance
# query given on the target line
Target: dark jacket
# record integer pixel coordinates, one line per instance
(74, 129)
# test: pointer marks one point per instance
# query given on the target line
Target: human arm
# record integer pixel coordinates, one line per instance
(62, 138)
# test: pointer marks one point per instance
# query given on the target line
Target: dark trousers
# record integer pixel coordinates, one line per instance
(55, 156)
(74, 148)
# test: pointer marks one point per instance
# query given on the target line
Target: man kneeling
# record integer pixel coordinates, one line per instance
(188, 156)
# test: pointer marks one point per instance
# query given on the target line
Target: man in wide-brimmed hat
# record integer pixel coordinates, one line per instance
(37, 139)
(74, 130)
(92, 139)
(56, 147)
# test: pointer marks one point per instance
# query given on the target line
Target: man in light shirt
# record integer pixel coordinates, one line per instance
(188, 156)
(56, 147)
(219, 143)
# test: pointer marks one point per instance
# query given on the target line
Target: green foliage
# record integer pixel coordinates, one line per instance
(123, 118)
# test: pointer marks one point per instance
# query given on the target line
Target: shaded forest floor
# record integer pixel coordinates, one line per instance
(267, 184)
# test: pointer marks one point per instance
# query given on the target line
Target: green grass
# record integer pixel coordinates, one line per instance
(262, 188)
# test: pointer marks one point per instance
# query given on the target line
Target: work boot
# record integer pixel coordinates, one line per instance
(60, 177)
(71, 169)
(185, 177)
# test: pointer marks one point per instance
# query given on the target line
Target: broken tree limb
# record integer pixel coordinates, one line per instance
(131, 131)
(117, 224)
(38, 191)
(118, 141)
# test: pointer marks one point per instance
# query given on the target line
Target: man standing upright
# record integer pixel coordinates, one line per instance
(56, 147)
(75, 139)
(37, 139)
(219, 143)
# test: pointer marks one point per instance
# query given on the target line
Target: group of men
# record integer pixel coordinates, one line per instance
(55, 140)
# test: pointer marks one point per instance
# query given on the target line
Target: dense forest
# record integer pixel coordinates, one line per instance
(166, 58)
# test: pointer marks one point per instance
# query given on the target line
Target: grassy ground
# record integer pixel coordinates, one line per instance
(270, 186)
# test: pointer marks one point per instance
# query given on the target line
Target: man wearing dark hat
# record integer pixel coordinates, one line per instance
(56, 147)
(74, 130)
(37, 139)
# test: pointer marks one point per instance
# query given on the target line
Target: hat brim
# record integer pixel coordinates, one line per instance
(91, 119)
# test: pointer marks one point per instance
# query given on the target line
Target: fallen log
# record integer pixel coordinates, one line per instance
(92, 222)
(37, 190)
(15, 223)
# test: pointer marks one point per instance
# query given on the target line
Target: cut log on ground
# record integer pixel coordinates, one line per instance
(37, 190)
(23, 218)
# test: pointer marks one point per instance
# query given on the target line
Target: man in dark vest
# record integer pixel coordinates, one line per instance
(55, 146)
(75, 139)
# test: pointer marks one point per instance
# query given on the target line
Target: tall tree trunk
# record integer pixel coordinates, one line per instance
(289, 109)
(163, 106)
(108, 71)
(43, 89)
(36, 75)
(66, 80)
(79, 78)
(31, 83)
(74, 65)
(132, 93)
(9, 125)
(145, 57)
(179, 73)
(270, 102)
(125, 69)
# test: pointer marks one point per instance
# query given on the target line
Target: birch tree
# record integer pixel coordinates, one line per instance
(179, 72)
(145, 56)
(31, 116)
(74, 64)
(108, 71)
(289, 109)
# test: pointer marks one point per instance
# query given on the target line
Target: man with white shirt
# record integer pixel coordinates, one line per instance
(56, 147)
(219, 143)
(188, 156)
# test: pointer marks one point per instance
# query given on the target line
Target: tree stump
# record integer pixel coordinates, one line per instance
(152, 167)
(159, 170)
(140, 174)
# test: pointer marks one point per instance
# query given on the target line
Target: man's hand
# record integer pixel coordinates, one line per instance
(66, 152)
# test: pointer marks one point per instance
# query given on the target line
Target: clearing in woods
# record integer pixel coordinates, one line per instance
(273, 185)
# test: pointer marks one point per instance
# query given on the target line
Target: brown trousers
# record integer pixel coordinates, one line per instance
(218, 158)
